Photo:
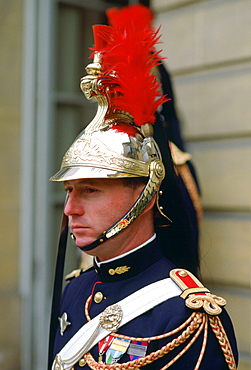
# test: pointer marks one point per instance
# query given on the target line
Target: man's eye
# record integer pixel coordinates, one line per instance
(68, 190)
(90, 190)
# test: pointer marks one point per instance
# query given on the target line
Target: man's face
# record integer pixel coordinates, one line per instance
(94, 205)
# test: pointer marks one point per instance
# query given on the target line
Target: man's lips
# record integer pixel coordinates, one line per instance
(78, 227)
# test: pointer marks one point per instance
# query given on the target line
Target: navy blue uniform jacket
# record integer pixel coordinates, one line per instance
(146, 266)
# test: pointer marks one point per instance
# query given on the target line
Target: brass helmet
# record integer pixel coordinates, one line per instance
(105, 149)
(119, 142)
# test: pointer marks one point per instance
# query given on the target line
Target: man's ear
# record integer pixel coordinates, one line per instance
(150, 205)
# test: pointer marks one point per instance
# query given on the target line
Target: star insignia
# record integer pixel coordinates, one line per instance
(63, 323)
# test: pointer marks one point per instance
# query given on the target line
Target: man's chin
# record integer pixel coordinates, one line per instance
(83, 242)
(80, 242)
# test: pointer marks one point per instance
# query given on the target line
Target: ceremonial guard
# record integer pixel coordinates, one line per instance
(140, 306)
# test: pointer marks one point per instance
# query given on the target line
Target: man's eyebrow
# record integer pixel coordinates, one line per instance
(80, 182)
(67, 183)
(85, 181)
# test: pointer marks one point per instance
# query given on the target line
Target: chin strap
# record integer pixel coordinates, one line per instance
(157, 174)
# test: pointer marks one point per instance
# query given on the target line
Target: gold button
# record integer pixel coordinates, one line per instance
(183, 273)
(82, 362)
(98, 297)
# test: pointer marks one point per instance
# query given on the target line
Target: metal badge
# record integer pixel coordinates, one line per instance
(119, 270)
(111, 317)
(63, 323)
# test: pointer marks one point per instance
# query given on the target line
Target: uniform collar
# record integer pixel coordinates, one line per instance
(127, 253)
(130, 264)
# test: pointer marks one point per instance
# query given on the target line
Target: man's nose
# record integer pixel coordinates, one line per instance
(73, 206)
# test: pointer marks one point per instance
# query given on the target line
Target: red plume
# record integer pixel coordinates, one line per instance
(99, 41)
(138, 14)
(128, 58)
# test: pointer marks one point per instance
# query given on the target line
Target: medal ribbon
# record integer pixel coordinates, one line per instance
(103, 345)
(137, 349)
(116, 350)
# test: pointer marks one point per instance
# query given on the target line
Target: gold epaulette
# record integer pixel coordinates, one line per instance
(76, 273)
(196, 296)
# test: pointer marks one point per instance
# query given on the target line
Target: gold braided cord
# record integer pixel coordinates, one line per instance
(87, 303)
(185, 349)
(146, 339)
(221, 335)
(197, 323)
(203, 347)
